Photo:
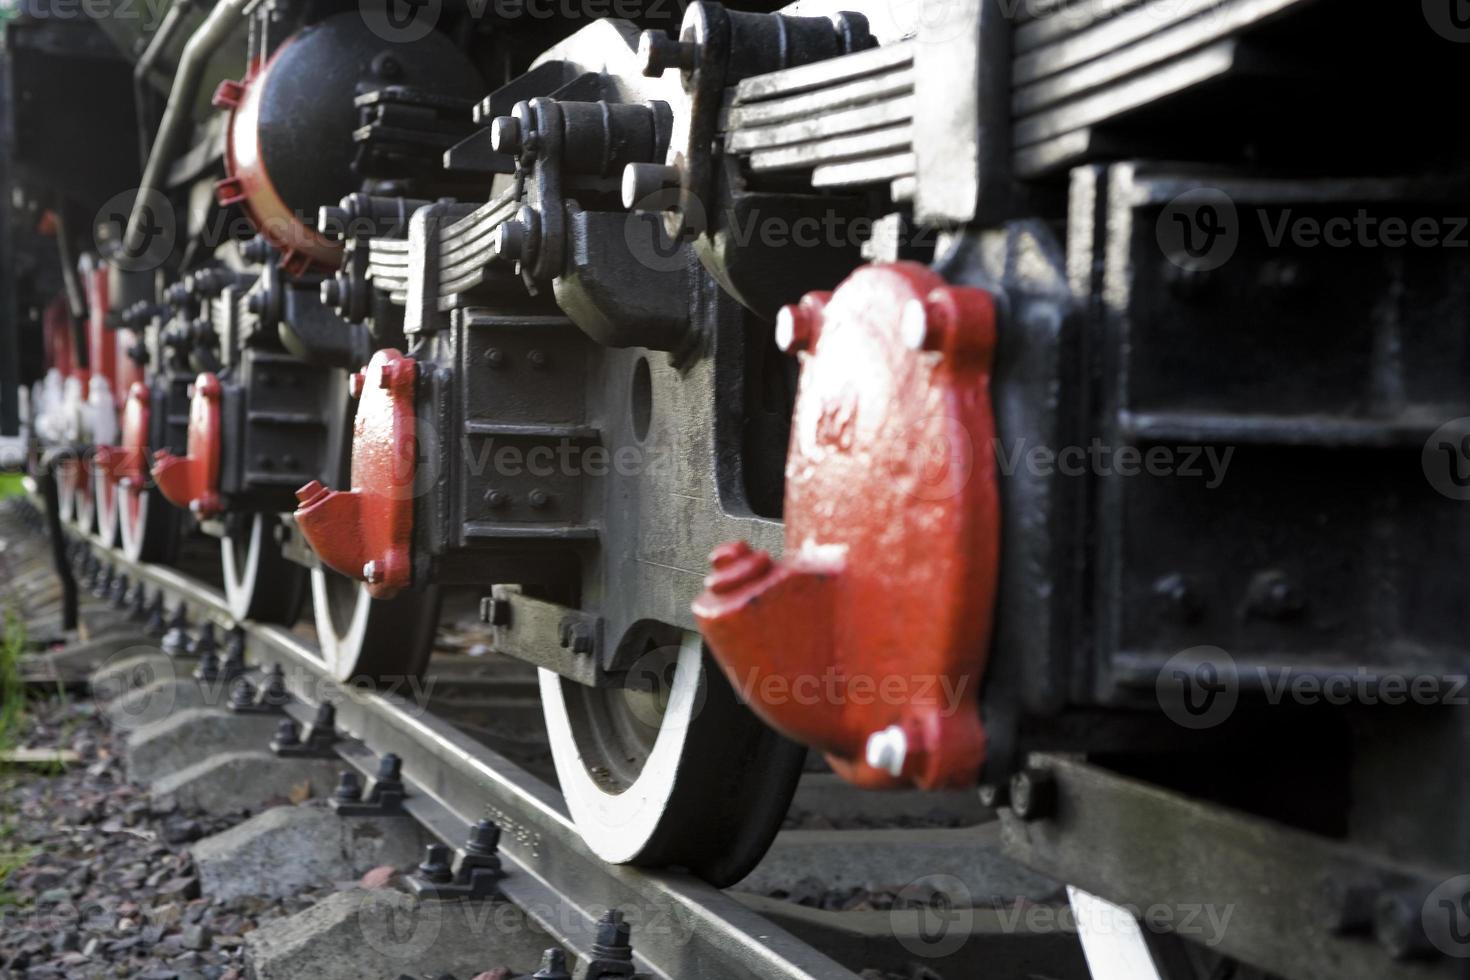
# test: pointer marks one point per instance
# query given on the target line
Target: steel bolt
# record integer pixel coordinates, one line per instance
(287, 733)
(994, 795)
(349, 787)
(242, 694)
(387, 67)
(397, 375)
(155, 624)
(372, 572)
(232, 664)
(497, 498)
(331, 221)
(495, 611)
(208, 668)
(611, 940)
(657, 52)
(325, 719)
(537, 359)
(120, 592)
(1179, 600)
(798, 324)
(138, 610)
(274, 688)
(508, 240)
(101, 580)
(390, 768)
(176, 640)
(1273, 595)
(553, 966)
(257, 250)
(955, 319)
(888, 750)
(484, 838)
(495, 357)
(505, 135)
(642, 181)
(538, 498)
(204, 644)
(1033, 794)
(436, 866)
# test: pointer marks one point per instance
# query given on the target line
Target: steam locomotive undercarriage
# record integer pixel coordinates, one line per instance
(1062, 399)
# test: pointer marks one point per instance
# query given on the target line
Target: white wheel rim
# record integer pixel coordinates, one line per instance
(240, 580)
(618, 826)
(336, 646)
(105, 494)
(132, 533)
(1112, 940)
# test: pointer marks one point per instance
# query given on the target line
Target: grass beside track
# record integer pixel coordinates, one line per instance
(12, 711)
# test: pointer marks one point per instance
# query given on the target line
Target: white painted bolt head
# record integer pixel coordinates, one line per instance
(370, 572)
(913, 325)
(786, 328)
(888, 749)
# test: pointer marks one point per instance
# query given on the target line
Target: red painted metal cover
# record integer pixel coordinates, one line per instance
(192, 480)
(366, 532)
(101, 342)
(126, 464)
(869, 638)
(248, 181)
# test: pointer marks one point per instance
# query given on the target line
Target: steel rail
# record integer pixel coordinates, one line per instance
(683, 928)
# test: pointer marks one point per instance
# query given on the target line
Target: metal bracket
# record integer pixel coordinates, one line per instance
(563, 640)
(383, 797)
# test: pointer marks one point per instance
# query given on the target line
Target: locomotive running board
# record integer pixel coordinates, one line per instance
(686, 928)
(1151, 850)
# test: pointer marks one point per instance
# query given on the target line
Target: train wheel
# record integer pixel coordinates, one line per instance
(670, 769)
(104, 492)
(66, 490)
(1119, 947)
(260, 583)
(84, 505)
(378, 639)
(147, 524)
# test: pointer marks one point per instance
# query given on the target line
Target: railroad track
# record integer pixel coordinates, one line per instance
(452, 780)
